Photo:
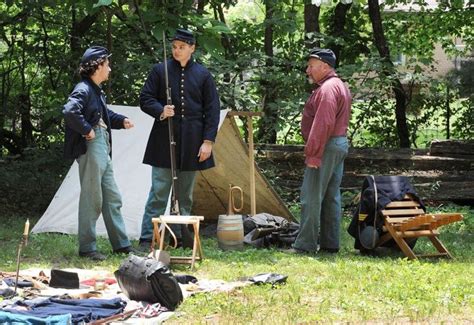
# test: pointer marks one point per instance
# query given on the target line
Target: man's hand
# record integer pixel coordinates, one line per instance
(128, 124)
(205, 150)
(90, 135)
(312, 166)
(168, 111)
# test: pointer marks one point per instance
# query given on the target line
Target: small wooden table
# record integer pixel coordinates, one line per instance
(159, 236)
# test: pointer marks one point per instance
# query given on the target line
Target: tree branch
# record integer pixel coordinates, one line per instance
(45, 51)
(388, 70)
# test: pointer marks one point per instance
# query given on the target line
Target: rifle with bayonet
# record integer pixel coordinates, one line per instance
(174, 178)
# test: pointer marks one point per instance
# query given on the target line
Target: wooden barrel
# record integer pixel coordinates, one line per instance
(230, 232)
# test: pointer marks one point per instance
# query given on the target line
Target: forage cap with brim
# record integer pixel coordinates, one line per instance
(184, 35)
(94, 53)
(325, 55)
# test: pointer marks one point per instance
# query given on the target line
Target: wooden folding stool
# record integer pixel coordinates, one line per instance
(159, 236)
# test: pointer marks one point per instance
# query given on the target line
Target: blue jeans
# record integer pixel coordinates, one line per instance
(159, 194)
(321, 199)
(99, 194)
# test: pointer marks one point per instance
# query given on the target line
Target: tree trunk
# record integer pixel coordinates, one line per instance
(52, 79)
(10, 141)
(24, 101)
(388, 70)
(229, 53)
(200, 6)
(134, 28)
(448, 113)
(5, 91)
(26, 125)
(338, 27)
(109, 15)
(267, 132)
(78, 30)
(311, 24)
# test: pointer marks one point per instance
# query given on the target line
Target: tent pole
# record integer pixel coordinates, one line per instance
(249, 116)
(253, 206)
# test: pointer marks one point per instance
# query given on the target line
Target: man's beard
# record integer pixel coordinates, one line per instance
(310, 80)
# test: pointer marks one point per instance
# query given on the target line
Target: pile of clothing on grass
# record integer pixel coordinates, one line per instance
(141, 289)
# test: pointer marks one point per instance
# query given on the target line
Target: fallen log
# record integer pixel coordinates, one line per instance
(435, 177)
(452, 148)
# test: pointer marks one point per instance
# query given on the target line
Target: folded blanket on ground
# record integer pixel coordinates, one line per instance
(80, 310)
(11, 318)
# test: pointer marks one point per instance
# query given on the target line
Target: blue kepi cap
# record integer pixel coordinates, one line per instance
(94, 53)
(184, 35)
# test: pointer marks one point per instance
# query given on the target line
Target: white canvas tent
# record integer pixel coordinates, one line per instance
(133, 179)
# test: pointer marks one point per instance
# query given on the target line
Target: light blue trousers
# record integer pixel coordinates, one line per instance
(159, 194)
(99, 194)
(321, 199)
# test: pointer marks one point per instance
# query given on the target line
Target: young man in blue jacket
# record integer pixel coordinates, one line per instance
(88, 139)
(195, 112)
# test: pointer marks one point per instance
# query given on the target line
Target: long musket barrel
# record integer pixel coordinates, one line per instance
(174, 178)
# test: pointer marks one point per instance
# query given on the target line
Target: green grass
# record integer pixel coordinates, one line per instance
(346, 287)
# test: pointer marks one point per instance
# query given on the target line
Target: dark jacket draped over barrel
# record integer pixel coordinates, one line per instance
(376, 193)
(197, 109)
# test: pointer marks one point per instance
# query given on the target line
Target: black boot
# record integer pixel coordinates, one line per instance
(187, 238)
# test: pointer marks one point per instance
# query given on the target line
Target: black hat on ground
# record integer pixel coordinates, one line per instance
(325, 55)
(94, 53)
(184, 35)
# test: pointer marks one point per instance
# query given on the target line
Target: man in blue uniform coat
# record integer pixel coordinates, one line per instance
(88, 139)
(195, 114)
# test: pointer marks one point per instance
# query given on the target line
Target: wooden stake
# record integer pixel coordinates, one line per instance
(253, 205)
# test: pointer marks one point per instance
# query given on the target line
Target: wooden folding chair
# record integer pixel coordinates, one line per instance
(405, 219)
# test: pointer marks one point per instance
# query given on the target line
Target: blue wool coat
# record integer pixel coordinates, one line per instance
(85, 106)
(197, 109)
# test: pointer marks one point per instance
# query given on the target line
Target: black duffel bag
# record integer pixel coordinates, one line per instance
(146, 279)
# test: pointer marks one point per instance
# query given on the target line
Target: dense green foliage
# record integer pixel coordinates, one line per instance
(41, 43)
(29, 184)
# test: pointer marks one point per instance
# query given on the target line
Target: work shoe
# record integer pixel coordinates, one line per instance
(329, 250)
(296, 251)
(94, 255)
(368, 252)
(144, 246)
(186, 240)
(127, 250)
(184, 243)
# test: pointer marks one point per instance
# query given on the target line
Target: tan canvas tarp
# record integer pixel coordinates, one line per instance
(232, 167)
